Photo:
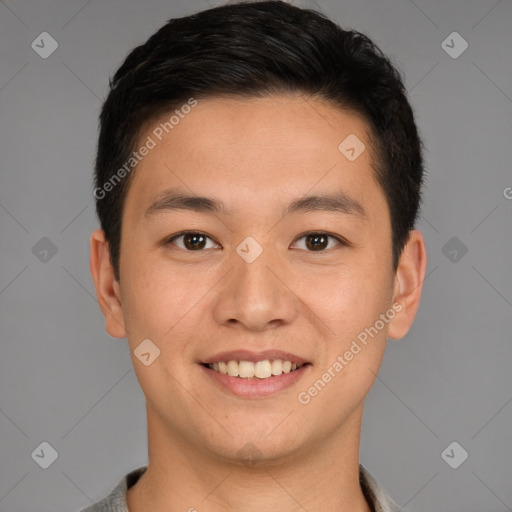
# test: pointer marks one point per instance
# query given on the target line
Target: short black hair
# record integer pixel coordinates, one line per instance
(256, 49)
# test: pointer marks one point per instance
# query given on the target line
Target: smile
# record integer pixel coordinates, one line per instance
(249, 370)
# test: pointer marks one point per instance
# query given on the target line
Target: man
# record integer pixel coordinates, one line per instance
(257, 181)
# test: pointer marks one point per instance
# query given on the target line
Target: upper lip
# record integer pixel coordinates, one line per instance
(247, 355)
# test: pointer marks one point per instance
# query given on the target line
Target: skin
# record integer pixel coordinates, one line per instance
(256, 156)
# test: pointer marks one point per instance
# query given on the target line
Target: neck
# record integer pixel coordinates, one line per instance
(181, 476)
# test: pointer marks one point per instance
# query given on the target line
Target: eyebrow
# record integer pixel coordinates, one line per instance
(337, 202)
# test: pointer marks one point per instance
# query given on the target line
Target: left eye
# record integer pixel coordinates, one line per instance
(197, 241)
(316, 242)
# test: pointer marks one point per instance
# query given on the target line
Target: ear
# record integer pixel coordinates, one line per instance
(107, 288)
(409, 278)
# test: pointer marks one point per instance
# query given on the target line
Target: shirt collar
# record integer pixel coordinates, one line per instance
(374, 493)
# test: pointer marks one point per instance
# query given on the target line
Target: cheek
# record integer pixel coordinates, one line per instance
(155, 300)
(167, 305)
(350, 303)
(347, 300)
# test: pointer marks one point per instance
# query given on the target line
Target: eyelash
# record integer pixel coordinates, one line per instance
(341, 241)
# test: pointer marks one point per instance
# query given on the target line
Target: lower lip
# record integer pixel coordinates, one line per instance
(255, 387)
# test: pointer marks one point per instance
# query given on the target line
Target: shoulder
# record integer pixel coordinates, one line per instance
(116, 500)
(375, 493)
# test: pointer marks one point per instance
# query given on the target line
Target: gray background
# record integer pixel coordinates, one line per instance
(65, 381)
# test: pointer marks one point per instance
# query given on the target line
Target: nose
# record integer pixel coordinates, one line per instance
(256, 296)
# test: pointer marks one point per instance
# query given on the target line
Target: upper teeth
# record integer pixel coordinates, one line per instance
(261, 369)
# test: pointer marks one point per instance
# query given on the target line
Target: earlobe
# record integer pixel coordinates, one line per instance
(107, 288)
(409, 278)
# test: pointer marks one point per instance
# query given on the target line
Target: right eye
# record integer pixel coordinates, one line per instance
(191, 240)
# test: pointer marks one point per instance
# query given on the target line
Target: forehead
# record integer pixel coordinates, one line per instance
(255, 152)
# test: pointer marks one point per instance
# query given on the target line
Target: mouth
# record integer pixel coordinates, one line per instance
(265, 369)
(250, 375)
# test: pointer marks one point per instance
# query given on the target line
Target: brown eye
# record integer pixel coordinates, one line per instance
(316, 242)
(319, 242)
(191, 241)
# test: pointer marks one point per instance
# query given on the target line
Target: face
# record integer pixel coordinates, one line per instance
(258, 271)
